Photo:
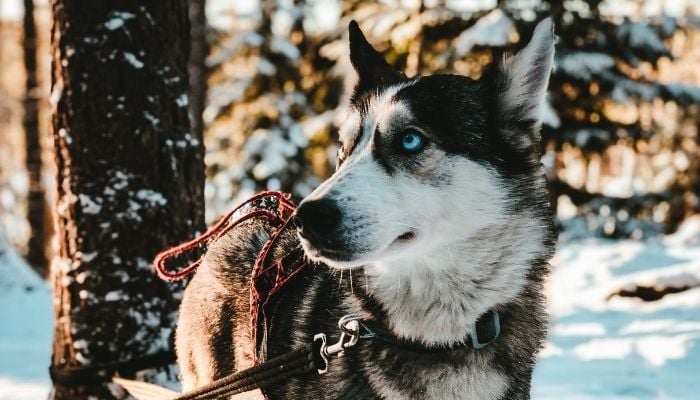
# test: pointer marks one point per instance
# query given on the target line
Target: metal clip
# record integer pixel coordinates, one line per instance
(350, 334)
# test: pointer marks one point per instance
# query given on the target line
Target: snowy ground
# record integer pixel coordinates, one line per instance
(600, 347)
(603, 347)
(25, 329)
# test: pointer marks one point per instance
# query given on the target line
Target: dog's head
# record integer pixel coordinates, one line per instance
(429, 160)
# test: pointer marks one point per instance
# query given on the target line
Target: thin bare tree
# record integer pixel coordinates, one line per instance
(197, 64)
(36, 210)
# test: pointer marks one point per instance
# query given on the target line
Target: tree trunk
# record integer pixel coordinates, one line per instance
(197, 66)
(130, 179)
(36, 254)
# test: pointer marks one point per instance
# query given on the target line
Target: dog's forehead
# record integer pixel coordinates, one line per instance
(445, 102)
(450, 107)
(375, 110)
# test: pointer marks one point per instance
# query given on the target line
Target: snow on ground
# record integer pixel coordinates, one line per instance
(601, 345)
(25, 329)
(604, 346)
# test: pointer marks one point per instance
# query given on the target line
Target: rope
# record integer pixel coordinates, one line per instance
(270, 373)
(264, 282)
(224, 225)
(92, 374)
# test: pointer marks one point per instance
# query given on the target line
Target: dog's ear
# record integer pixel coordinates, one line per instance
(522, 86)
(372, 69)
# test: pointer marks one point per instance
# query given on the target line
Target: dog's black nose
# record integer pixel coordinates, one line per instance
(316, 219)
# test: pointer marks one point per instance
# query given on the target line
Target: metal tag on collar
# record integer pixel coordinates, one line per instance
(485, 330)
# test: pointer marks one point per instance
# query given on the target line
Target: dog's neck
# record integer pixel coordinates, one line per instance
(435, 298)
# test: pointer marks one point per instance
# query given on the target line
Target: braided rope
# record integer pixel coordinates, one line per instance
(219, 229)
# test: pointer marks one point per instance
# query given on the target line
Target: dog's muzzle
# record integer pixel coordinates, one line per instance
(317, 221)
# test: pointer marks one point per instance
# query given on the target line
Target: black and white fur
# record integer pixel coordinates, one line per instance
(422, 243)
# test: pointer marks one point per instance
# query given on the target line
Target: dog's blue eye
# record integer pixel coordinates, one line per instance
(412, 141)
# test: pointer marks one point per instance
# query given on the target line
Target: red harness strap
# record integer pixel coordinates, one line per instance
(266, 278)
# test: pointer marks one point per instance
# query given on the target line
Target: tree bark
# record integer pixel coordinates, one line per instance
(197, 64)
(36, 254)
(130, 179)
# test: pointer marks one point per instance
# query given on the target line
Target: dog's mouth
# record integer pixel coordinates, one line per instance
(348, 258)
(402, 239)
(326, 252)
(336, 255)
(408, 236)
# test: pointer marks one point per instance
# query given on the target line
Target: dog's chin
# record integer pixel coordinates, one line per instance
(342, 259)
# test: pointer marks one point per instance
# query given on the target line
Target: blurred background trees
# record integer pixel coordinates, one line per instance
(36, 199)
(621, 132)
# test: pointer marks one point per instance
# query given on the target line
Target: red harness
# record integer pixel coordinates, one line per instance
(267, 278)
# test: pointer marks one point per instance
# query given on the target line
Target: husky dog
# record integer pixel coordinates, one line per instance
(437, 214)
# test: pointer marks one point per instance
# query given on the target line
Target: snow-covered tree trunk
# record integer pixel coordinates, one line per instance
(130, 179)
(36, 254)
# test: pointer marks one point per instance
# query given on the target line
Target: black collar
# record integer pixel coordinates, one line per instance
(486, 329)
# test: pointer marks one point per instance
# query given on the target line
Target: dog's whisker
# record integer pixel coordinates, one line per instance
(350, 277)
(449, 253)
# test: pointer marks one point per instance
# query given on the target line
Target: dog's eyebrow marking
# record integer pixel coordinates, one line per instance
(392, 114)
(360, 126)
